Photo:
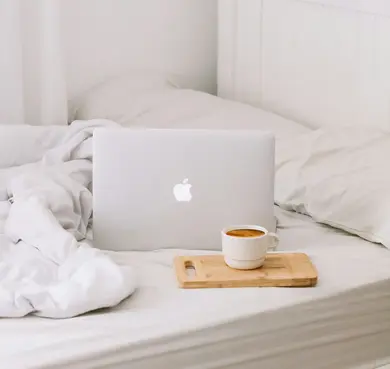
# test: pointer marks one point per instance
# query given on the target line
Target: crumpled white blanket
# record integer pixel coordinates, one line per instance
(47, 266)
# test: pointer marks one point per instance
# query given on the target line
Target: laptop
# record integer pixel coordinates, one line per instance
(171, 188)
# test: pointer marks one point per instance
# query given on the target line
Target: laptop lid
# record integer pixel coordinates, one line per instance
(173, 188)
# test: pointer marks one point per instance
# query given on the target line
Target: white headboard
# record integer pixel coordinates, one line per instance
(319, 62)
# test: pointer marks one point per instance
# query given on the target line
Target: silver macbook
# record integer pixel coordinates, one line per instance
(168, 188)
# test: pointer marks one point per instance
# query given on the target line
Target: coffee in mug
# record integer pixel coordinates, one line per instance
(245, 233)
(245, 247)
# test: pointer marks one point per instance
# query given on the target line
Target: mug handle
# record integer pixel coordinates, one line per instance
(274, 241)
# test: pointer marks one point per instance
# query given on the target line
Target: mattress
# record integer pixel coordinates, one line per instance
(344, 322)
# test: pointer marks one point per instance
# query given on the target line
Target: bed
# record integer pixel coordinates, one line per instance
(342, 323)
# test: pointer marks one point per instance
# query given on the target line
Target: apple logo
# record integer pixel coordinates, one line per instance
(182, 191)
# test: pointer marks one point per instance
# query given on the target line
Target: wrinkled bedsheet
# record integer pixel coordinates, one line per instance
(47, 267)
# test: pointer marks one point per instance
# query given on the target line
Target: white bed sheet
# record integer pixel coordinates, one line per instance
(343, 322)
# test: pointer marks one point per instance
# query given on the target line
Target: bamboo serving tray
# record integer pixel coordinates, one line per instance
(279, 270)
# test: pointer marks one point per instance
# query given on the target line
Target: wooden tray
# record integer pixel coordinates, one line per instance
(279, 270)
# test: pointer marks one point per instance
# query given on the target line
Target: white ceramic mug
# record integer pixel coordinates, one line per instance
(247, 252)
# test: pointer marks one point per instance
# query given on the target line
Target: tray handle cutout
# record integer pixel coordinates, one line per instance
(190, 269)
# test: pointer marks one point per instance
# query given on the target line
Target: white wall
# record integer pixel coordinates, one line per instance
(319, 62)
(105, 37)
(53, 50)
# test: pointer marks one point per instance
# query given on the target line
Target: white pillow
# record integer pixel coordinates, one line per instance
(159, 105)
(113, 98)
(340, 177)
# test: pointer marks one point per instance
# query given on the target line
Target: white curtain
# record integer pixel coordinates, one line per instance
(32, 71)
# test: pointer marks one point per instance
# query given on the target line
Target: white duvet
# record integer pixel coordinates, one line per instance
(46, 266)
